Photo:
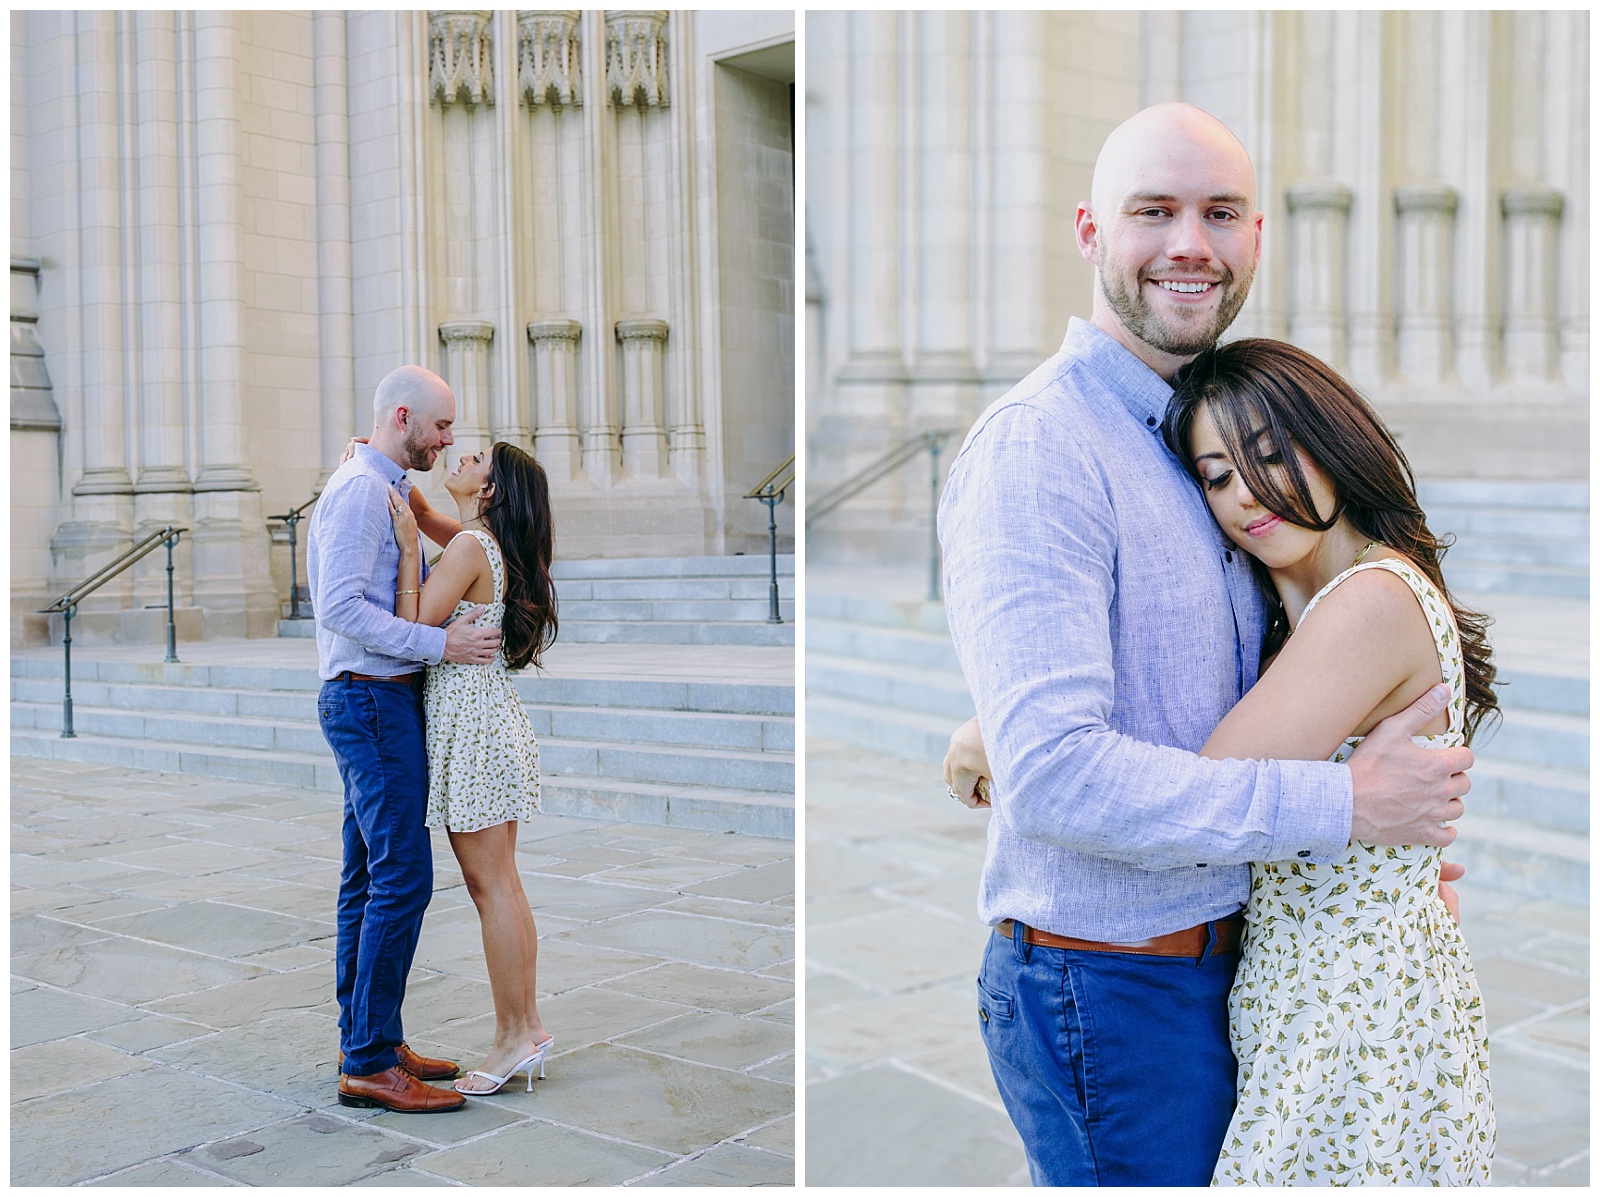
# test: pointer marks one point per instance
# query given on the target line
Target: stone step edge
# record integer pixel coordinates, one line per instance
(915, 720)
(702, 808)
(1505, 768)
(908, 633)
(532, 704)
(1493, 830)
(309, 683)
(31, 737)
(923, 674)
(698, 750)
(609, 568)
(1555, 721)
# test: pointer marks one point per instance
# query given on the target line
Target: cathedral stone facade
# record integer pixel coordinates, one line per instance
(227, 227)
(1424, 178)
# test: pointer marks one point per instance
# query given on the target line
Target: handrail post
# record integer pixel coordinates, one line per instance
(772, 502)
(294, 581)
(172, 625)
(67, 733)
(933, 524)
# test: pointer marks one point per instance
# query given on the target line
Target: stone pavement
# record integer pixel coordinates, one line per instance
(173, 1021)
(898, 1089)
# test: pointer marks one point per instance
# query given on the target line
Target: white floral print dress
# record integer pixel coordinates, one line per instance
(1355, 1016)
(483, 760)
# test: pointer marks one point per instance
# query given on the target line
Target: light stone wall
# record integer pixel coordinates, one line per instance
(1424, 178)
(755, 247)
(245, 220)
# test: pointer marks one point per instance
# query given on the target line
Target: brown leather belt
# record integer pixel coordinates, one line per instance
(1189, 942)
(405, 679)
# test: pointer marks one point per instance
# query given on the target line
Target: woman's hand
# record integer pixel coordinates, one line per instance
(405, 525)
(966, 765)
(349, 450)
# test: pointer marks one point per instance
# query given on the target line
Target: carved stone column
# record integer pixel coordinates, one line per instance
(636, 58)
(466, 369)
(460, 57)
(343, 415)
(232, 568)
(549, 59)
(1423, 254)
(644, 441)
(104, 469)
(555, 397)
(157, 278)
(1533, 221)
(1319, 215)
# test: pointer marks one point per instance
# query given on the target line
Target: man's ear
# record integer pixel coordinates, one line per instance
(402, 416)
(1088, 231)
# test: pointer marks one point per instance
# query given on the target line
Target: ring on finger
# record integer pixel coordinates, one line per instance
(951, 790)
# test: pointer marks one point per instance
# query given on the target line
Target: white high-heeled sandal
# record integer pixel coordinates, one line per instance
(500, 1082)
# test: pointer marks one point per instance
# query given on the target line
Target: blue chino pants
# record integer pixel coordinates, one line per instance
(1114, 1067)
(375, 731)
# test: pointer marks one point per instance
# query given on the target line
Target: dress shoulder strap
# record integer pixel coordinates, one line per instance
(1441, 622)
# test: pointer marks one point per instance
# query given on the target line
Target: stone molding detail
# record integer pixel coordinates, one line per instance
(636, 58)
(1423, 251)
(460, 57)
(1319, 215)
(454, 331)
(644, 436)
(549, 62)
(466, 369)
(555, 396)
(33, 405)
(1532, 228)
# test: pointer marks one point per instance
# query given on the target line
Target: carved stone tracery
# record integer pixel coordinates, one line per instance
(636, 58)
(460, 57)
(548, 59)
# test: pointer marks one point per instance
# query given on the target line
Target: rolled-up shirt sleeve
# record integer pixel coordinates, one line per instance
(1030, 543)
(356, 521)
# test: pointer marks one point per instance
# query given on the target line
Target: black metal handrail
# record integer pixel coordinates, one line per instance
(933, 441)
(290, 519)
(67, 606)
(770, 491)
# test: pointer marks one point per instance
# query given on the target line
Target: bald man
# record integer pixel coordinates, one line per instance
(370, 709)
(1105, 626)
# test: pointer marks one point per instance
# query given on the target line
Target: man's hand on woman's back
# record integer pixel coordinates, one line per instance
(1405, 793)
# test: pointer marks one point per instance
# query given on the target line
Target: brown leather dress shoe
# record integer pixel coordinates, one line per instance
(424, 1068)
(396, 1089)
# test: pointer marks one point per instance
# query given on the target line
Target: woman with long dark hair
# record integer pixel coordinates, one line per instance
(1355, 1016)
(483, 760)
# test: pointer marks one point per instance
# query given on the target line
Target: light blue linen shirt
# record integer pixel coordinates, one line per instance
(1105, 627)
(352, 566)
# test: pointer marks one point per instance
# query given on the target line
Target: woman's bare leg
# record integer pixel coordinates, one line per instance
(531, 938)
(488, 863)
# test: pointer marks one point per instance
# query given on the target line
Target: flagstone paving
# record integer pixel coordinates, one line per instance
(173, 1020)
(898, 1089)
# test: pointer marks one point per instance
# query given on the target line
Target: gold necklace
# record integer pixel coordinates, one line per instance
(1371, 544)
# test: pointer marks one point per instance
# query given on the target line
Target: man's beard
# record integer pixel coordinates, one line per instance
(1166, 335)
(418, 456)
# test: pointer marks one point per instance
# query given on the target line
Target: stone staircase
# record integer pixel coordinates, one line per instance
(659, 600)
(618, 743)
(881, 673)
(1527, 538)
